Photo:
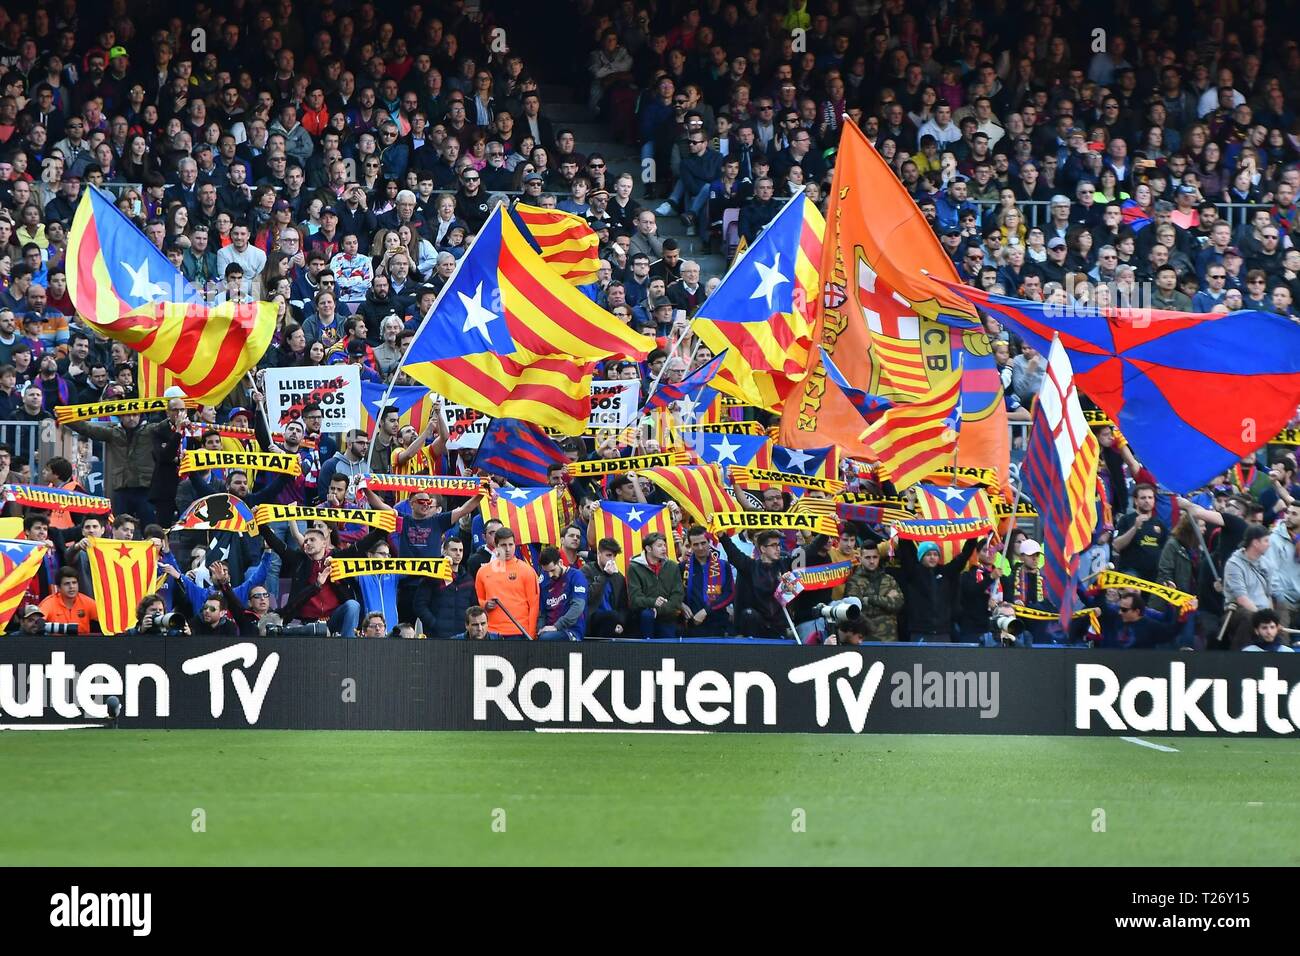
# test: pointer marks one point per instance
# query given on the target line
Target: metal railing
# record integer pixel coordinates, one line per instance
(1037, 212)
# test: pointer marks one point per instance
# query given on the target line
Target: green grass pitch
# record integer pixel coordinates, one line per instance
(127, 797)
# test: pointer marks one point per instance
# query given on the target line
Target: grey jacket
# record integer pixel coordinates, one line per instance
(1243, 577)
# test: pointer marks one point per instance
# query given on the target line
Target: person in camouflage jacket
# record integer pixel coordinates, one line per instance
(881, 596)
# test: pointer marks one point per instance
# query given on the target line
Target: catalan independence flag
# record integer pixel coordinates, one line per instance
(19, 560)
(412, 402)
(1060, 477)
(630, 524)
(121, 573)
(809, 462)
(127, 290)
(699, 489)
(508, 337)
(912, 440)
(533, 514)
(763, 312)
(695, 399)
(563, 239)
(951, 503)
(153, 380)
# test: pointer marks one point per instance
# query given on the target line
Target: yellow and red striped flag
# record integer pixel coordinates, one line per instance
(122, 572)
(127, 291)
(697, 488)
(510, 338)
(533, 514)
(19, 560)
(630, 524)
(154, 380)
(563, 240)
(763, 312)
(911, 441)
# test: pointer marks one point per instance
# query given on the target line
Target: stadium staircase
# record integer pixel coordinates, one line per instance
(593, 136)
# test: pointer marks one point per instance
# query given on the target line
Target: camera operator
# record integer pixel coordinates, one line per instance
(33, 622)
(68, 605)
(212, 619)
(852, 631)
(149, 615)
(248, 616)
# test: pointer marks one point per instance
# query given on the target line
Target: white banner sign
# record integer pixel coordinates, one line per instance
(336, 388)
(614, 404)
(466, 425)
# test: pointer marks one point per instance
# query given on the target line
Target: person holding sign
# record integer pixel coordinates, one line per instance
(758, 613)
(314, 595)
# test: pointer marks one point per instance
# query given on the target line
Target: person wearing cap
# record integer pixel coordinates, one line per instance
(1024, 586)
(932, 589)
(32, 623)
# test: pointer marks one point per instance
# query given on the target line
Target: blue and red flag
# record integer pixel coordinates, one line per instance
(518, 451)
(1134, 217)
(1163, 377)
(693, 395)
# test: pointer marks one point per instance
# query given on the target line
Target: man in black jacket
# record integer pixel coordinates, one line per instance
(758, 613)
(168, 443)
(932, 592)
(606, 591)
(314, 594)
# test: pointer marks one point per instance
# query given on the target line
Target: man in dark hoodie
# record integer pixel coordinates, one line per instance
(654, 585)
(932, 589)
(315, 594)
(758, 613)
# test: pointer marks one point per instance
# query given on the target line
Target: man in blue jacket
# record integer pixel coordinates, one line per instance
(563, 605)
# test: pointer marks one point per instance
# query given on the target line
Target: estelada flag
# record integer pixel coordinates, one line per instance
(121, 572)
(890, 330)
(563, 239)
(19, 560)
(951, 503)
(630, 524)
(509, 337)
(533, 514)
(127, 290)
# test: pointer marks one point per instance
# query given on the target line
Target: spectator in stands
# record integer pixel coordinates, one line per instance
(880, 595)
(655, 590)
(508, 590)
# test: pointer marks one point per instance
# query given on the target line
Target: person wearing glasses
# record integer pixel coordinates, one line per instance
(596, 168)
(472, 200)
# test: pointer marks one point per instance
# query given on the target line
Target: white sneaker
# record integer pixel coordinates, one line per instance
(664, 209)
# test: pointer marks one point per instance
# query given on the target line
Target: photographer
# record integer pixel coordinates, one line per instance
(151, 617)
(33, 622)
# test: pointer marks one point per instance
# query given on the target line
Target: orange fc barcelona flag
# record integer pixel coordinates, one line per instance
(891, 330)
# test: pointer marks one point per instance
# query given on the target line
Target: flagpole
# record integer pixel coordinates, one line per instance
(1015, 506)
(672, 348)
(388, 389)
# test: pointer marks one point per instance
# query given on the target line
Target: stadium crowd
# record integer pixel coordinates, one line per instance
(337, 159)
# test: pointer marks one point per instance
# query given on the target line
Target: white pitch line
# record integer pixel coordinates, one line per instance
(611, 730)
(1146, 743)
(50, 727)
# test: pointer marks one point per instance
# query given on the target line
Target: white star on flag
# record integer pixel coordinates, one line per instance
(477, 316)
(686, 408)
(634, 514)
(727, 451)
(142, 287)
(516, 494)
(952, 494)
(797, 459)
(769, 278)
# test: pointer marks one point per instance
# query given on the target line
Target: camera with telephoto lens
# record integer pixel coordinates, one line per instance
(161, 622)
(51, 628)
(315, 629)
(837, 612)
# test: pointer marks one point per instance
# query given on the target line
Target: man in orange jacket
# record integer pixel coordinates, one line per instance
(507, 584)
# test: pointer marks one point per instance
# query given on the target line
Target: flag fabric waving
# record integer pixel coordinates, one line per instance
(127, 290)
(510, 338)
(533, 514)
(121, 573)
(219, 512)
(890, 330)
(809, 462)
(630, 524)
(952, 503)
(723, 448)
(1162, 377)
(762, 313)
(19, 560)
(1060, 477)
(564, 241)
(518, 451)
(693, 395)
(413, 403)
(869, 406)
(912, 440)
(698, 489)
